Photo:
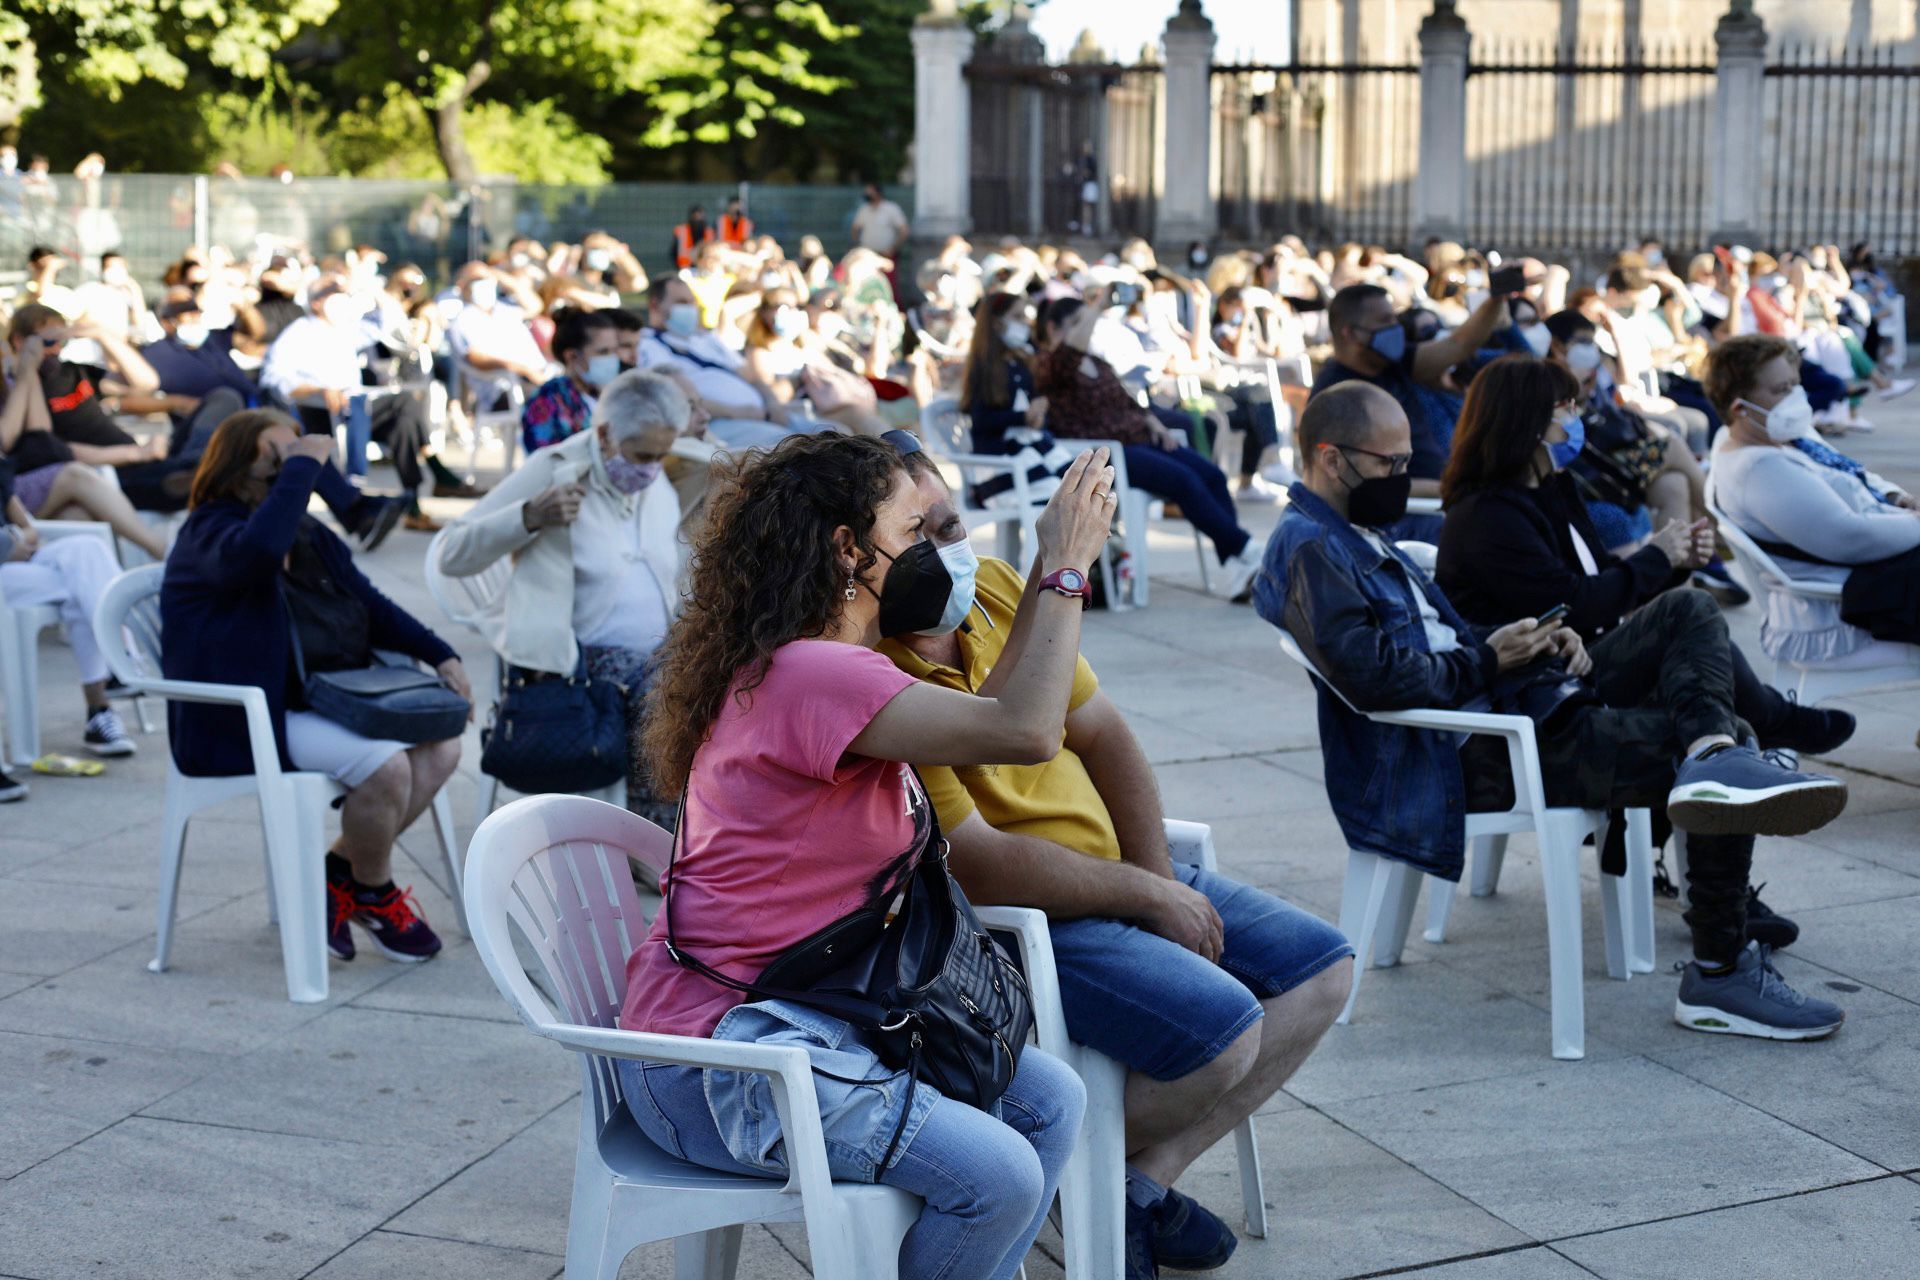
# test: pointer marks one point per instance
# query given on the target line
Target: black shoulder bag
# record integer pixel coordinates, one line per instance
(913, 968)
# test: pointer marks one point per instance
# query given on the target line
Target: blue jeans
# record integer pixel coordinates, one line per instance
(1165, 1011)
(1184, 477)
(987, 1179)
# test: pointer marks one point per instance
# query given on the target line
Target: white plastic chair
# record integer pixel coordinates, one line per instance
(1811, 682)
(20, 649)
(465, 601)
(558, 870)
(948, 437)
(293, 805)
(1093, 1187)
(1376, 905)
(503, 423)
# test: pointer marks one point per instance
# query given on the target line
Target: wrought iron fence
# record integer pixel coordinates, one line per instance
(1582, 149)
(1841, 128)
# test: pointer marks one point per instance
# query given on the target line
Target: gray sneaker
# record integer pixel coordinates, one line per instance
(1753, 1000)
(1739, 791)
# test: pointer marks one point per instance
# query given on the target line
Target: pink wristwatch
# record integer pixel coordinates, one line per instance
(1069, 582)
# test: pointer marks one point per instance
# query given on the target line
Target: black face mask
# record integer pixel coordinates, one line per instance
(913, 595)
(1379, 501)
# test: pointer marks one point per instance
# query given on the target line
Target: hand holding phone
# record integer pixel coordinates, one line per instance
(1507, 281)
(1550, 619)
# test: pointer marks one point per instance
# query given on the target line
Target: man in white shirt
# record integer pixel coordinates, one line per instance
(314, 367)
(880, 224)
(491, 336)
(744, 412)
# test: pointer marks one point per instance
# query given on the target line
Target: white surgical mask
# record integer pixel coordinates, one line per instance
(788, 323)
(1789, 420)
(963, 566)
(1018, 333)
(1583, 358)
(599, 259)
(1538, 340)
(483, 293)
(603, 369)
(191, 335)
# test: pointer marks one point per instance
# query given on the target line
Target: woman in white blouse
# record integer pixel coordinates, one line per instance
(591, 528)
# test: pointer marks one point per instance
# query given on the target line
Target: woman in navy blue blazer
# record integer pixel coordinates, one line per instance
(249, 571)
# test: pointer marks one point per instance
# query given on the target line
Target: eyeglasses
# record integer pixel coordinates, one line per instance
(1397, 463)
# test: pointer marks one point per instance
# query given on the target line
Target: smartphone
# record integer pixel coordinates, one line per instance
(1551, 618)
(1507, 281)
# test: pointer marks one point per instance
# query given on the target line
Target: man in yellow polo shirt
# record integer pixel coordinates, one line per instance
(1211, 992)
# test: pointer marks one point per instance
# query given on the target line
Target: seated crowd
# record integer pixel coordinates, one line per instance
(725, 511)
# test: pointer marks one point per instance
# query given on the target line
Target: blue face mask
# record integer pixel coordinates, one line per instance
(602, 369)
(1389, 343)
(683, 319)
(1561, 453)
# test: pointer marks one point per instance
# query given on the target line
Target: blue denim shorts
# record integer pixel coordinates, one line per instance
(1167, 1012)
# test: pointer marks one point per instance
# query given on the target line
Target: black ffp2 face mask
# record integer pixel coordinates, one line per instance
(913, 595)
(1379, 501)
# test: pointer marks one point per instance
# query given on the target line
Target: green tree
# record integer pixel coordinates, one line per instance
(756, 72)
(443, 53)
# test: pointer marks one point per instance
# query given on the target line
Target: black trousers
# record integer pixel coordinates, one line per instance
(1664, 679)
(162, 485)
(398, 423)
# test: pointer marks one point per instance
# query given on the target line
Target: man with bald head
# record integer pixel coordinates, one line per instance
(1644, 720)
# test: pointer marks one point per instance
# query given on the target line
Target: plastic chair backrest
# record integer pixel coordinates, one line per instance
(944, 427)
(1293, 650)
(465, 600)
(129, 618)
(1765, 565)
(1423, 554)
(558, 870)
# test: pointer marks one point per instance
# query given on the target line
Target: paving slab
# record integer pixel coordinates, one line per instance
(389, 1253)
(1872, 1229)
(514, 1198)
(1537, 1263)
(1856, 1092)
(455, 985)
(1584, 1147)
(1871, 942)
(157, 1200)
(56, 1092)
(45, 930)
(361, 1067)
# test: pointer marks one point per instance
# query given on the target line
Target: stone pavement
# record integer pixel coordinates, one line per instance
(196, 1125)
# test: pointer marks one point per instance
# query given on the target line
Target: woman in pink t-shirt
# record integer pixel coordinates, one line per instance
(793, 742)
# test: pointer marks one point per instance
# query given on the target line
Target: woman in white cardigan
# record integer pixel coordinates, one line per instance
(1808, 504)
(592, 530)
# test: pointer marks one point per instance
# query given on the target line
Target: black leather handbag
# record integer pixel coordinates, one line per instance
(556, 733)
(914, 969)
(400, 704)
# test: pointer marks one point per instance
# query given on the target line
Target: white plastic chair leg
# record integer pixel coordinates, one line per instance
(1561, 833)
(449, 848)
(709, 1255)
(1616, 920)
(173, 849)
(1680, 866)
(20, 680)
(1488, 853)
(1640, 957)
(1371, 881)
(1439, 907)
(1093, 1186)
(1396, 917)
(299, 889)
(485, 796)
(1253, 1187)
(143, 715)
(590, 1218)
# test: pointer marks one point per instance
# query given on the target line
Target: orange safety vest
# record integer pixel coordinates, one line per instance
(683, 244)
(735, 231)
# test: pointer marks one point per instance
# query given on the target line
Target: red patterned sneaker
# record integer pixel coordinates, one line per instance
(393, 923)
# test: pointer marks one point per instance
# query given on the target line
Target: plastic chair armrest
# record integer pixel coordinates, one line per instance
(1191, 842)
(1457, 721)
(52, 529)
(1028, 930)
(786, 1066)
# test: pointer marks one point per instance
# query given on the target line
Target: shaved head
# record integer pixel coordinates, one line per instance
(1348, 414)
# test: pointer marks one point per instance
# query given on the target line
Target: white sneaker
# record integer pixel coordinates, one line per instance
(1255, 489)
(1859, 424)
(1278, 473)
(1237, 575)
(1898, 387)
(106, 736)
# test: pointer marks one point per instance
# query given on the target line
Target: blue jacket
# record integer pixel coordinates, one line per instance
(223, 618)
(1395, 791)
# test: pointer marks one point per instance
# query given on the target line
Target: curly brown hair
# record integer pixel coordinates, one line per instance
(1734, 367)
(765, 572)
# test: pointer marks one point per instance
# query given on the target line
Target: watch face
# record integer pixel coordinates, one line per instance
(1073, 580)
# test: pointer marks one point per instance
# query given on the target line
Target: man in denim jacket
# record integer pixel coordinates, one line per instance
(1645, 719)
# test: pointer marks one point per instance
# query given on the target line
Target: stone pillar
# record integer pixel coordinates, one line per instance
(1186, 197)
(1440, 186)
(1739, 115)
(942, 119)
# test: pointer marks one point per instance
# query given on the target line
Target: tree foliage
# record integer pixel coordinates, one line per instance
(108, 45)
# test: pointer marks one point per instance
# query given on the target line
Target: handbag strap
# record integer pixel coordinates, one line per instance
(293, 631)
